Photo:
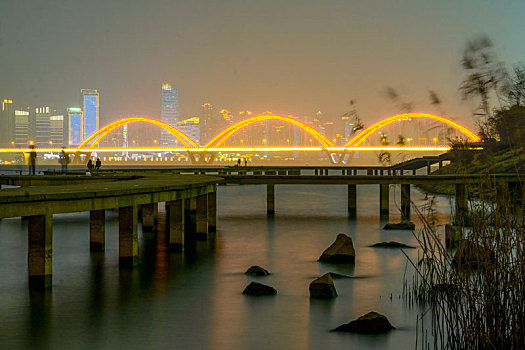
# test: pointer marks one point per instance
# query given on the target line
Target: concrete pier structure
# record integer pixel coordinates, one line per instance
(175, 213)
(405, 202)
(352, 201)
(384, 201)
(40, 250)
(201, 217)
(270, 198)
(212, 211)
(149, 216)
(97, 230)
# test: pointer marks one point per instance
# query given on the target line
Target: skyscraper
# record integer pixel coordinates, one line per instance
(169, 114)
(7, 120)
(75, 119)
(41, 126)
(90, 101)
(22, 128)
(56, 130)
(206, 123)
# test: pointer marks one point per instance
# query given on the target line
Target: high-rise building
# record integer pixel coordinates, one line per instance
(7, 120)
(206, 123)
(41, 121)
(190, 127)
(75, 122)
(22, 128)
(169, 113)
(56, 131)
(91, 108)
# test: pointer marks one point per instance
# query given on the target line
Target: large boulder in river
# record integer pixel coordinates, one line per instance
(341, 251)
(323, 287)
(257, 271)
(392, 244)
(256, 288)
(371, 323)
(403, 225)
(472, 254)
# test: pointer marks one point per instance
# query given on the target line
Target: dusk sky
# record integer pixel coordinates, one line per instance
(288, 57)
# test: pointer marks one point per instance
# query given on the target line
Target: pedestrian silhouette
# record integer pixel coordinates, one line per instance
(98, 163)
(90, 165)
(32, 160)
(239, 162)
(245, 162)
(64, 159)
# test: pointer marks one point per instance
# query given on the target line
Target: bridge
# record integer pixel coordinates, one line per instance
(191, 202)
(206, 154)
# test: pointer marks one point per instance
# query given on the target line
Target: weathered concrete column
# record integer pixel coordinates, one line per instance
(405, 202)
(429, 170)
(127, 236)
(150, 214)
(190, 219)
(270, 198)
(316, 172)
(97, 230)
(212, 211)
(440, 164)
(352, 201)
(414, 171)
(384, 202)
(461, 204)
(40, 251)
(202, 217)
(176, 224)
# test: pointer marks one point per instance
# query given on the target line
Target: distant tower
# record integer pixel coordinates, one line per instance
(56, 130)
(75, 119)
(206, 123)
(22, 128)
(41, 126)
(91, 108)
(7, 120)
(169, 114)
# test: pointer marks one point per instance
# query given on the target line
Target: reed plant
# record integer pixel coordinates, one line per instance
(475, 293)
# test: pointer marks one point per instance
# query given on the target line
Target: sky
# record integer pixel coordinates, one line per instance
(288, 57)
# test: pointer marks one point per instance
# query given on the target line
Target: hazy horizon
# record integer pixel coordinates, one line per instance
(287, 57)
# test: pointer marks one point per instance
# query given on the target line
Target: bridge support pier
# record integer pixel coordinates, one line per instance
(40, 251)
(212, 211)
(384, 195)
(202, 217)
(270, 198)
(352, 201)
(405, 202)
(428, 168)
(149, 216)
(461, 204)
(127, 236)
(176, 224)
(97, 230)
(190, 217)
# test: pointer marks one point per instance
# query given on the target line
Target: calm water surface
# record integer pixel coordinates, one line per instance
(195, 301)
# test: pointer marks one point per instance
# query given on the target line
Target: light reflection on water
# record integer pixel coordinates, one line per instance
(195, 302)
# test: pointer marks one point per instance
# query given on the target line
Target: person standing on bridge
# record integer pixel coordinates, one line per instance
(90, 166)
(64, 159)
(239, 162)
(32, 160)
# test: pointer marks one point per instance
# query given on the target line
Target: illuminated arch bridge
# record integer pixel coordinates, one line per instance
(206, 153)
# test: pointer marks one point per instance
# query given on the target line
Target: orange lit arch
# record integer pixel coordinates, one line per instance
(98, 135)
(363, 135)
(225, 134)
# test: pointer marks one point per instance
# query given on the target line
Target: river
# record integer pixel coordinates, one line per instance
(195, 301)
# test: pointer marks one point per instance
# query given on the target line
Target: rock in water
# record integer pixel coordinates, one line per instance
(323, 287)
(371, 323)
(392, 244)
(341, 251)
(257, 271)
(472, 254)
(403, 225)
(256, 288)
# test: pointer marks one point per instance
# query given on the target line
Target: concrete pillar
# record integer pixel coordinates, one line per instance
(97, 230)
(212, 211)
(369, 171)
(149, 216)
(40, 251)
(316, 172)
(326, 171)
(440, 164)
(428, 168)
(190, 219)
(461, 204)
(202, 217)
(176, 224)
(127, 236)
(405, 202)
(270, 198)
(413, 171)
(384, 201)
(352, 201)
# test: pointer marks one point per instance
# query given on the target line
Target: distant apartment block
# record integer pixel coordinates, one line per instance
(91, 108)
(75, 119)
